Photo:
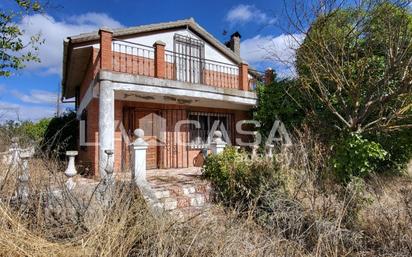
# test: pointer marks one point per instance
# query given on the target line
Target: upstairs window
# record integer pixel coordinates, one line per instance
(190, 54)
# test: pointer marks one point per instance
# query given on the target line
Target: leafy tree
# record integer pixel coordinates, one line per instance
(35, 130)
(14, 52)
(28, 132)
(357, 62)
(279, 100)
(354, 68)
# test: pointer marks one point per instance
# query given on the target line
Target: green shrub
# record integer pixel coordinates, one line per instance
(61, 135)
(35, 130)
(29, 133)
(239, 180)
(279, 100)
(356, 156)
(398, 144)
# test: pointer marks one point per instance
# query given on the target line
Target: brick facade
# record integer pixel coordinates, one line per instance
(171, 155)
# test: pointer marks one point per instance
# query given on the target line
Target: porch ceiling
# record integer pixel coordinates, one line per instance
(76, 70)
(147, 89)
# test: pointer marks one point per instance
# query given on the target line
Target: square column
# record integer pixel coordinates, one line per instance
(243, 76)
(106, 125)
(160, 64)
(139, 147)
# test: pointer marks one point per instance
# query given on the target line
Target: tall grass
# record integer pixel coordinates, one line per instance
(316, 217)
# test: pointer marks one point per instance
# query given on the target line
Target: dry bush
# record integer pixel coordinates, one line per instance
(364, 218)
(125, 228)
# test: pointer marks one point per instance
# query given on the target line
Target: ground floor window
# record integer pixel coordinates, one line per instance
(199, 133)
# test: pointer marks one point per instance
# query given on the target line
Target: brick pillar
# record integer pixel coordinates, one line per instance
(106, 58)
(243, 76)
(160, 64)
(269, 76)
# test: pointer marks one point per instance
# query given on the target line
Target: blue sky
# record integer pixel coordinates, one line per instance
(31, 93)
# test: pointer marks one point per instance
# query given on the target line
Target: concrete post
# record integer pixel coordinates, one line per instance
(217, 145)
(269, 151)
(106, 125)
(160, 64)
(71, 171)
(23, 188)
(14, 153)
(139, 147)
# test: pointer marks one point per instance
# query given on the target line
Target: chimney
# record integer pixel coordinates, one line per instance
(269, 76)
(234, 43)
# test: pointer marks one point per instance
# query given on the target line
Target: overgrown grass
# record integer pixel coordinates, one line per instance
(305, 214)
(300, 200)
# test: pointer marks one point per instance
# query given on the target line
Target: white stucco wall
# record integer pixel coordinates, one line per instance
(167, 37)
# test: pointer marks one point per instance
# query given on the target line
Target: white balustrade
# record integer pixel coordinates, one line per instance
(71, 171)
(109, 179)
(23, 187)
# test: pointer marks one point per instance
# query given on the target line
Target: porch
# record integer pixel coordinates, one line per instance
(182, 191)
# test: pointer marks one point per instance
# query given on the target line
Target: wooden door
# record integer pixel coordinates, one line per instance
(174, 152)
(145, 119)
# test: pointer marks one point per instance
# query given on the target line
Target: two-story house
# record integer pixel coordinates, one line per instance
(153, 77)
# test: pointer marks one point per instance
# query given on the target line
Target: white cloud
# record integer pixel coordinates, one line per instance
(36, 97)
(54, 32)
(95, 19)
(246, 13)
(11, 111)
(278, 49)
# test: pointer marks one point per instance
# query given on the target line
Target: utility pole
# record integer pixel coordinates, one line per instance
(58, 101)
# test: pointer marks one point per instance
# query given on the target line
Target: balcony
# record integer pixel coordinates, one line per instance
(155, 61)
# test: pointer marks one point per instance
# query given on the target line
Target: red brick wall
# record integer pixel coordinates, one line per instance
(118, 116)
(220, 79)
(133, 64)
(88, 155)
(211, 78)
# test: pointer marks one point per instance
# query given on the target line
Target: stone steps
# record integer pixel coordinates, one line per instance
(172, 197)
